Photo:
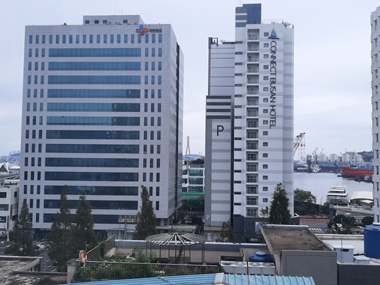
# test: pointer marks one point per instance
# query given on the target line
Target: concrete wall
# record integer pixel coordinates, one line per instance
(353, 274)
(321, 265)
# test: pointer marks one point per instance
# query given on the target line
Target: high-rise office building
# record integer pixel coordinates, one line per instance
(249, 120)
(375, 68)
(102, 114)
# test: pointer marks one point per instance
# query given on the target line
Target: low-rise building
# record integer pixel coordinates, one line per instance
(9, 192)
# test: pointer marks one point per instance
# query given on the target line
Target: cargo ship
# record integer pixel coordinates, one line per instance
(348, 172)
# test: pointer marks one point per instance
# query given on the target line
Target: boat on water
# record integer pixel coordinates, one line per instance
(337, 195)
(348, 172)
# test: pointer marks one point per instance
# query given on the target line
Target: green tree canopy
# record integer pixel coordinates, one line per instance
(146, 218)
(227, 233)
(279, 212)
(22, 234)
(368, 220)
(304, 196)
(60, 235)
(83, 235)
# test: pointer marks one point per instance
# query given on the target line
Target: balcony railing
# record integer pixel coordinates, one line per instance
(253, 92)
(252, 168)
(252, 125)
(253, 81)
(252, 113)
(253, 48)
(251, 157)
(252, 103)
(256, 59)
(251, 37)
(253, 70)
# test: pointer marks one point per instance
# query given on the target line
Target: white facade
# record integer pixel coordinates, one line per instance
(375, 42)
(9, 190)
(102, 112)
(255, 73)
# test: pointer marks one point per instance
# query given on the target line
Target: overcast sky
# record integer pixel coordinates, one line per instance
(332, 60)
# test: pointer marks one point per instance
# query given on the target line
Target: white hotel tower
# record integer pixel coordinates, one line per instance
(249, 120)
(102, 113)
(375, 69)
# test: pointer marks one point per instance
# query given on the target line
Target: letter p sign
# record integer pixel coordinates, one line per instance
(219, 129)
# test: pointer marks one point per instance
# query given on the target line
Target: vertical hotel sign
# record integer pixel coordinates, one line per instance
(273, 79)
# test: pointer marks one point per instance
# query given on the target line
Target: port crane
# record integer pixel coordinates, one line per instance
(299, 143)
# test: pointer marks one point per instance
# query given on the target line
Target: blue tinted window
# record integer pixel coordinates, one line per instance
(30, 39)
(139, 38)
(120, 205)
(50, 39)
(153, 79)
(132, 38)
(159, 93)
(153, 65)
(146, 38)
(91, 148)
(77, 39)
(43, 52)
(30, 52)
(55, 79)
(95, 52)
(35, 79)
(125, 39)
(90, 176)
(160, 52)
(28, 106)
(36, 52)
(159, 65)
(94, 107)
(158, 149)
(153, 52)
(92, 190)
(159, 121)
(145, 121)
(160, 38)
(152, 107)
(29, 66)
(70, 39)
(29, 79)
(118, 39)
(146, 52)
(36, 66)
(42, 65)
(104, 39)
(35, 93)
(91, 39)
(98, 39)
(153, 38)
(42, 93)
(111, 135)
(42, 79)
(93, 121)
(93, 93)
(43, 39)
(146, 65)
(159, 79)
(98, 219)
(152, 93)
(28, 93)
(41, 107)
(159, 107)
(57, 39)
(84, 39)
(37, 39)
(34, 107)
(146, 79)
(94, 66)
(145, 93)
(91, 162)
(64, 39)
(145, 107)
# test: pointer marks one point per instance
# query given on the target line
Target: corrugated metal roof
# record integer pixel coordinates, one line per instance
(267, 280)
(204, 279)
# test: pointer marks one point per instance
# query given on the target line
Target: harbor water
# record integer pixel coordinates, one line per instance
(319, 184)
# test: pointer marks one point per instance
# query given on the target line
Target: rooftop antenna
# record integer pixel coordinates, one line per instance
(122, 11)
(240, 2)
(188, 146)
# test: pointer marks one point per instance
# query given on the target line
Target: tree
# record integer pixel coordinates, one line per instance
(59, 237)
(22, 235)
(304, 196)
(368, 220)
(83, 235)
(264, 212)
(279, 212)
(227, 233)
(146, 218)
